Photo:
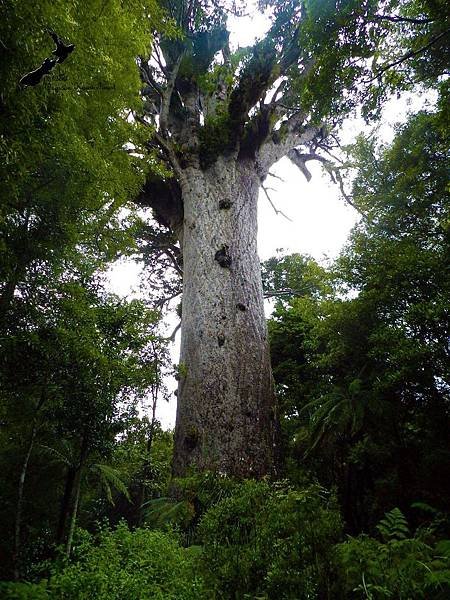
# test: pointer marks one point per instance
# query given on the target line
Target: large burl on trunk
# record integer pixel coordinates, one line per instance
(226, 418)
(214, 125)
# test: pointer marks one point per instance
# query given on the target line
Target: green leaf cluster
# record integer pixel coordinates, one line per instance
(362, 371)
(270, 541)
(401, 566)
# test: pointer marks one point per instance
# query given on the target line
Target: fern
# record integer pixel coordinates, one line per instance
(110, 478)
(161, 512)
(394, 526)
(62, 455)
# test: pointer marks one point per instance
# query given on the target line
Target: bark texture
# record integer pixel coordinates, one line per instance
(218, 126)
(226, 417)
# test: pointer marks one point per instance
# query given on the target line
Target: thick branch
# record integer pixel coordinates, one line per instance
(292, 133)
(167, 97)
(257, 77)
(300, 161)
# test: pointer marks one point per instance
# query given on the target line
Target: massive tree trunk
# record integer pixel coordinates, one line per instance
(226, 417)
(218, 126)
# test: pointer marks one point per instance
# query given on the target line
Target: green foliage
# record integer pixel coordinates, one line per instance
(362, 377)
(289, 276)
(393, 526)
(141, 466)
(215, 138)
(64, 171)
(24, 591)
(399, 567)
(119, 564)
(74, 360)
(194, 496)
(270, 541)
(362, 369)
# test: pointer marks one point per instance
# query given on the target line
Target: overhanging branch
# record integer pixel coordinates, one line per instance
(300, 159)
(408, 55)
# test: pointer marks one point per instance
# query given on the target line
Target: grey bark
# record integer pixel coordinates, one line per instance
(227, 412)
(74, 513)
(21, 486)
(226, 416)
(84, 451)
(19, 507)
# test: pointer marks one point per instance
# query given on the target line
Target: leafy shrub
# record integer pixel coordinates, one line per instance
(23, 591)
(399, 567)
(194, 496)
(136, 565)
(270, 541)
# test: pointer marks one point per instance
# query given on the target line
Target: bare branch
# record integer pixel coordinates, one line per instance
(300, 159)
(174, 261)
(277, 212)
(287, 292)
(163, 301)
(276, 177)
(172, 336)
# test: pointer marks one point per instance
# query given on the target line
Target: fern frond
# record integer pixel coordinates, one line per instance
(111, 478)
(394, 525)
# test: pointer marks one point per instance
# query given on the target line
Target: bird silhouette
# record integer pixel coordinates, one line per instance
(34, 77)
(62, 50)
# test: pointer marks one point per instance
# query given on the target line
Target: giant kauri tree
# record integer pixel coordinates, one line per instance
(219, 118)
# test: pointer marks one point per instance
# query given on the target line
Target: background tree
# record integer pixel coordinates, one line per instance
(70, 354)
(366, 377)
(69, 388)
(64, 170)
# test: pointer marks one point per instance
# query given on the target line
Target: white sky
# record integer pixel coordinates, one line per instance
(320, 221)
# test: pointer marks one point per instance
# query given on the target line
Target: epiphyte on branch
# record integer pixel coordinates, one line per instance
(223, 257)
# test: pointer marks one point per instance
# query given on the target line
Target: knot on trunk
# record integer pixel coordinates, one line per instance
(223, 257)
(225, 204)
(241, 306)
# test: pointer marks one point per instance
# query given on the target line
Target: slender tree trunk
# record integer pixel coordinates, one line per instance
(146, 467)
(21, 486)
(64, 511)
(6, 298)
(226, 416)
(19, 507)
(7, 294)
(74, 511)
(84, 450)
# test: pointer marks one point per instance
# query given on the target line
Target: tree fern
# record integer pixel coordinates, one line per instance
(110, 478)
(161, 512)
